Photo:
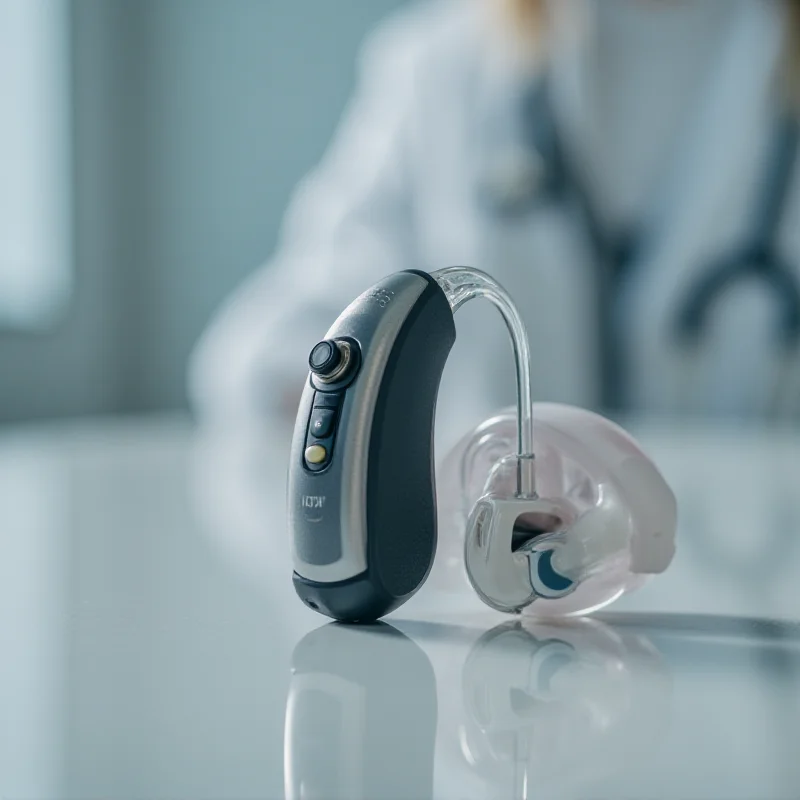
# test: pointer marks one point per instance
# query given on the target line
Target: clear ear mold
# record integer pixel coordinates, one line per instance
(602, 518)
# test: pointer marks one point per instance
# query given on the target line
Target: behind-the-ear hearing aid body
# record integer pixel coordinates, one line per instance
(362, 497)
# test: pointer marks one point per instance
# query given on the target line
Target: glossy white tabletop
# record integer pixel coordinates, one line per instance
(152, 645)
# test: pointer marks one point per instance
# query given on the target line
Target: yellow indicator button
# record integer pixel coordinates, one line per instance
(316, 454)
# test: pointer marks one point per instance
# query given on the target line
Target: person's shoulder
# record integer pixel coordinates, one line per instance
(427, 34)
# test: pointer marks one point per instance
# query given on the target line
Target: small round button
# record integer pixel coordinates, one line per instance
(316, 454)
(325, 358)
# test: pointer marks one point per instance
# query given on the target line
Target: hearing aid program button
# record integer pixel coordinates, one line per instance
(316, 454)
(322, 420)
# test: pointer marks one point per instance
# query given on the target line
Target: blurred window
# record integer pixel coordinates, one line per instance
(35, 147)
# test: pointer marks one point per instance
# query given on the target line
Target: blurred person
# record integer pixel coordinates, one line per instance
(620, 166)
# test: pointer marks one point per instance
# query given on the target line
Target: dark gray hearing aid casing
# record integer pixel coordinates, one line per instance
(363, 523)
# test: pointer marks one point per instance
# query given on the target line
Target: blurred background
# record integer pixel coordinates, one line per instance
(149, 151)
(155, 145)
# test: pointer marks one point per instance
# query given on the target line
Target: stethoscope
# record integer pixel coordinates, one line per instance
(551, 178)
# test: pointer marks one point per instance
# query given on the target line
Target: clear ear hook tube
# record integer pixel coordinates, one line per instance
(462, 284)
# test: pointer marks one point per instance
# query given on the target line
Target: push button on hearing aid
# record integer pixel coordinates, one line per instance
(321, 425)
(316, 454)
(322, 420)
(327, 400)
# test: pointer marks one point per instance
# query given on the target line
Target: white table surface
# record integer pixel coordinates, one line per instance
(151, 645)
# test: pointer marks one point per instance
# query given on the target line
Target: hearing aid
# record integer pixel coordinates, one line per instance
(362, 498)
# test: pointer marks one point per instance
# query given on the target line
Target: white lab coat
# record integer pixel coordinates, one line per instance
(672, 139)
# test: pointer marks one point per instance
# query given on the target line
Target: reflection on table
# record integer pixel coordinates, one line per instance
(149, 629)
